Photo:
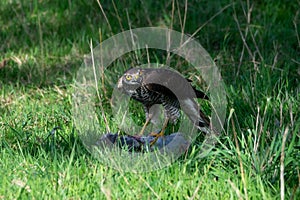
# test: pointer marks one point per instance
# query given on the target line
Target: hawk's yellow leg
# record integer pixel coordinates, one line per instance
(144, 127)
(161, 133)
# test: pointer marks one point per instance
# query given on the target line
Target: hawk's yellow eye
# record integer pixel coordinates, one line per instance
(128, 77)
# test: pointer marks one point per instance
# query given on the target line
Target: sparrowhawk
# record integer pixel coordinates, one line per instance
(152, 86)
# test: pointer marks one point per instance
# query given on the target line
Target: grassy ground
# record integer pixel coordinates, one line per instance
(256, 46)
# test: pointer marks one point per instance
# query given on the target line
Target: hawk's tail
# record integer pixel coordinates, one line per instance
(200, 94)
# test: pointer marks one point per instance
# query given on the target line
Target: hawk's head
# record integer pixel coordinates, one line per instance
(131, 80)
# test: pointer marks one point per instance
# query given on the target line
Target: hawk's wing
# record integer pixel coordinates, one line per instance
(170, 83)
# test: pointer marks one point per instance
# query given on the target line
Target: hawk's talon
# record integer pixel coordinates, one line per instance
(156, 136)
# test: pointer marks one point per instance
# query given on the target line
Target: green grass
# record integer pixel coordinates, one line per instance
(43, 44)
